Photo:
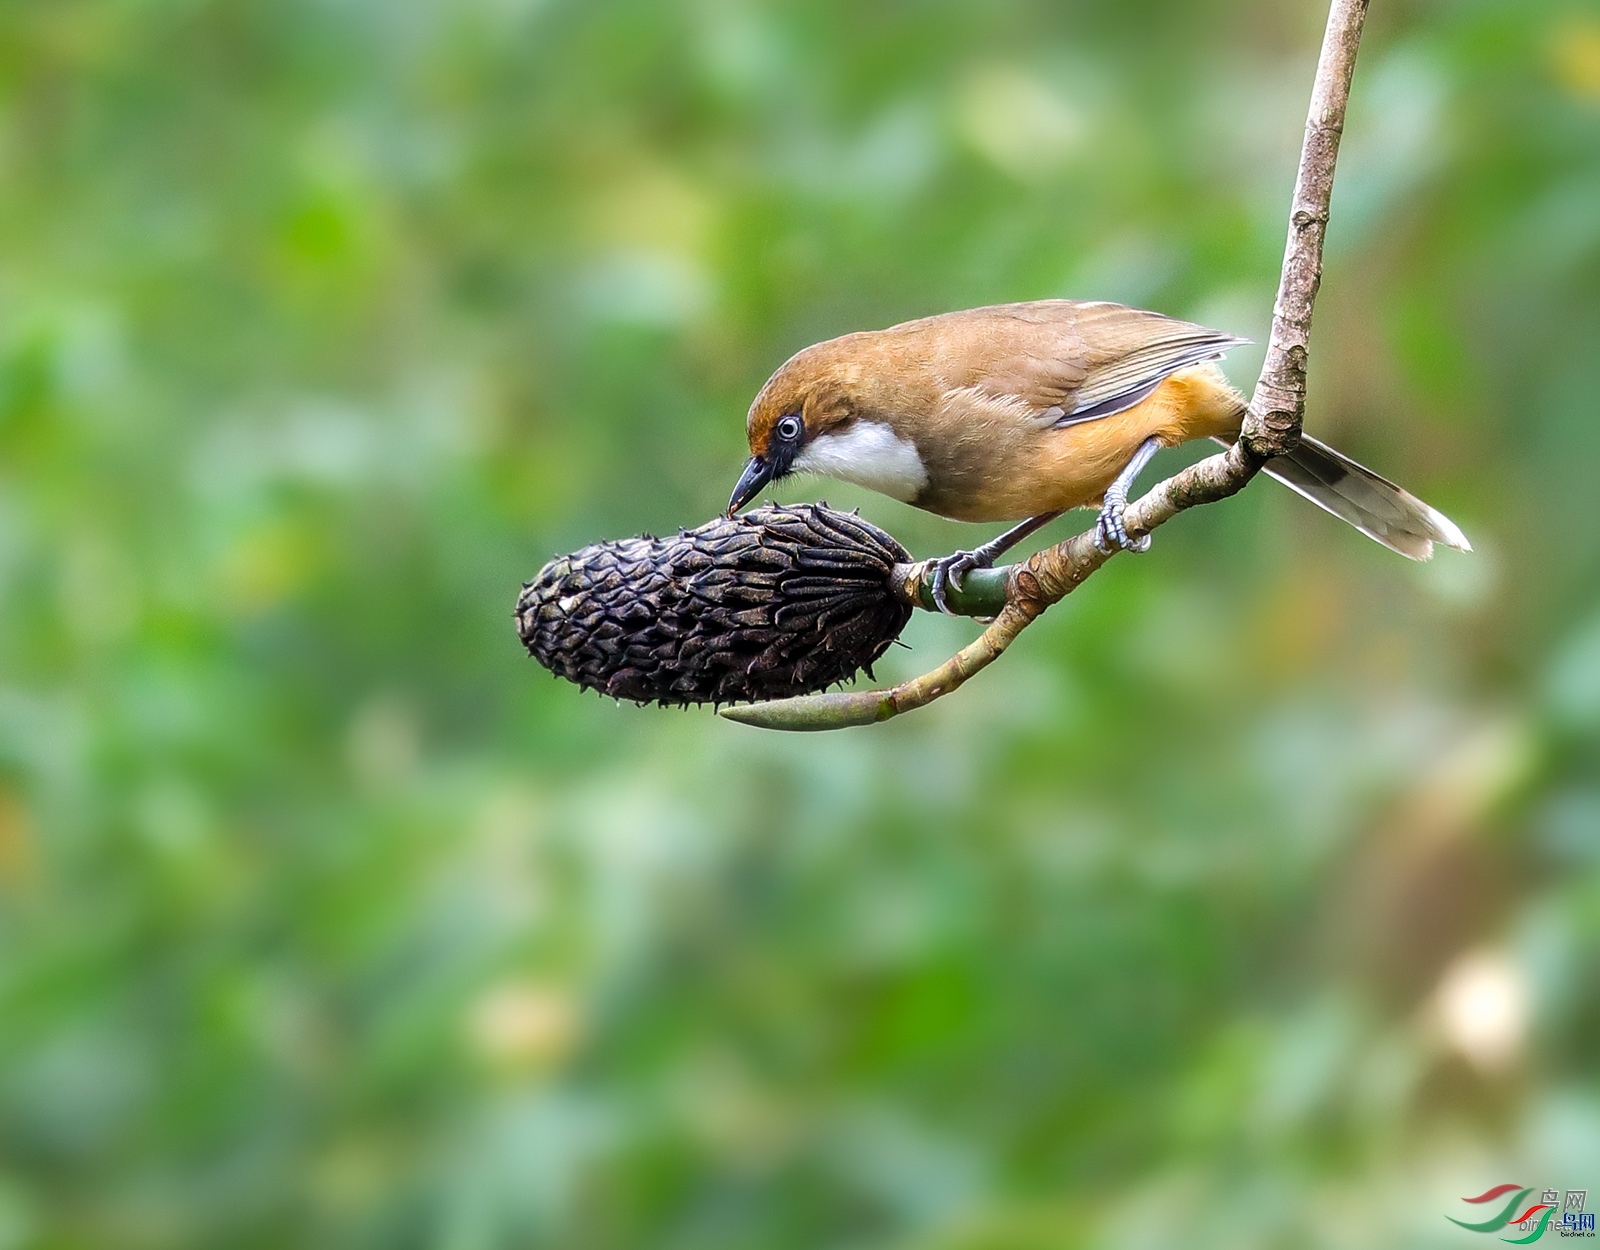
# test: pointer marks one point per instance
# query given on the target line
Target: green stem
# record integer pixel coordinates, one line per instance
(982, 591)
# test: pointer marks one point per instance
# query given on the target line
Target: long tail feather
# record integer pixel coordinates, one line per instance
(1373, 504)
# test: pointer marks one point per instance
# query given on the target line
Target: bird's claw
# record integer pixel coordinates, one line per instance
(948, 572)
(1110, 534)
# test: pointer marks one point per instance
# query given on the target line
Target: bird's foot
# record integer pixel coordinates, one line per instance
(948, 572)
(1110, 534)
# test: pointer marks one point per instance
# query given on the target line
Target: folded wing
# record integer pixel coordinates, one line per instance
(1069, 362)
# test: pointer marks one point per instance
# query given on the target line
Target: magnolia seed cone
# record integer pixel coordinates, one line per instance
(776, 602)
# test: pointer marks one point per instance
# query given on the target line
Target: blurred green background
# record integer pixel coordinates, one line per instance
(1252, 901)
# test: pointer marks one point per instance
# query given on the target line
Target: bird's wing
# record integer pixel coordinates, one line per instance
(1065, 362)
(1122, 383)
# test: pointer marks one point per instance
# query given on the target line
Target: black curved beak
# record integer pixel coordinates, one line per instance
(756, 475)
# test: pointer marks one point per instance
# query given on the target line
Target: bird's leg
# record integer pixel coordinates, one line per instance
(949, 571)
(1109, 534)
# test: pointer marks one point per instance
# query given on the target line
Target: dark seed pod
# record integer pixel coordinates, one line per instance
(779, 601)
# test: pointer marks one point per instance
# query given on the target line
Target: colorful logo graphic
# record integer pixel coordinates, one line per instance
(1533, 1217)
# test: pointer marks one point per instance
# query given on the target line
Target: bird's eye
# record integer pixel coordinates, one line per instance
(788, 429)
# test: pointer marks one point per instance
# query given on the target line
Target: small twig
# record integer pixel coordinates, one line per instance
(841, 709)
(1271, 428)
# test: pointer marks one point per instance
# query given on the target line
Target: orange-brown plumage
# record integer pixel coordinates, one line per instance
(1024, 410)
(982, 396)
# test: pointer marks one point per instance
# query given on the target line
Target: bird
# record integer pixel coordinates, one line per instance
(1020, 412)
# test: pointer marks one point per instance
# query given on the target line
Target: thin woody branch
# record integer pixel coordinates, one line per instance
(1271, 428)
(1277, 408)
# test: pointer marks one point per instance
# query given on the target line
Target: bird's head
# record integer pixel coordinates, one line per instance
(803, 406)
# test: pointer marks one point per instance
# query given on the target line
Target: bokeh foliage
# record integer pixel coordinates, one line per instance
(327, 919)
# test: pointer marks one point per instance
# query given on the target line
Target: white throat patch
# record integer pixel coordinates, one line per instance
(870, 454)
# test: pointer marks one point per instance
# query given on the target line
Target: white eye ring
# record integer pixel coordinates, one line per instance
(789, 429)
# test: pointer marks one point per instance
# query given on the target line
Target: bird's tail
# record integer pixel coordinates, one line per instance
(1373, 504)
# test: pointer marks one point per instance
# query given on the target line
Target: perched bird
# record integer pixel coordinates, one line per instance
(1019, 412)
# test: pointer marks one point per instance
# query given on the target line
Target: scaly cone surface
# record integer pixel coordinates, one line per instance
(776, 602)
